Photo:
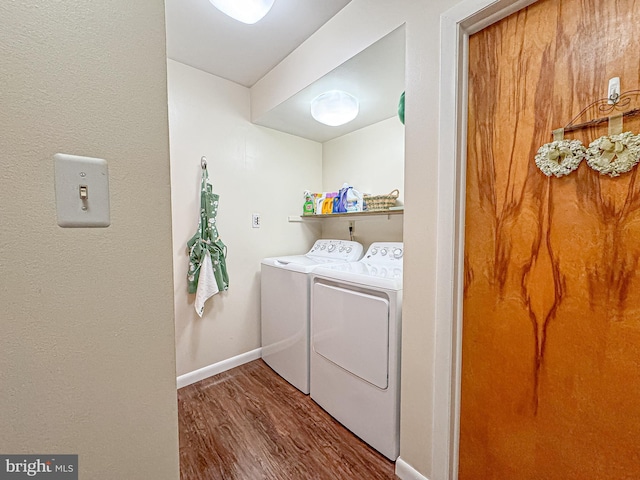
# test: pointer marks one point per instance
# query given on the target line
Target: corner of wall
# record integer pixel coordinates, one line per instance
(407, 472)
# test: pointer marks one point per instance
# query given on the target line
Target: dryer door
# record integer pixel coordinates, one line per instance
(351, 329)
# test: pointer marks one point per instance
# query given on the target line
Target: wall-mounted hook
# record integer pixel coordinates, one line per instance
(203, 162)
(613, 94)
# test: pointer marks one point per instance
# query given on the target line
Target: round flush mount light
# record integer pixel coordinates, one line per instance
(334, 108)
(245, 11)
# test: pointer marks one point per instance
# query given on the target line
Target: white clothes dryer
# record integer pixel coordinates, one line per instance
(356, 314)
(285, 300)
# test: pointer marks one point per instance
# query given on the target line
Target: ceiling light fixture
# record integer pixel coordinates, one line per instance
(334, 108)
(245, 11)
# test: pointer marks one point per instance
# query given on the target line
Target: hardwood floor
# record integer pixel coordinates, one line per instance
(250, 424)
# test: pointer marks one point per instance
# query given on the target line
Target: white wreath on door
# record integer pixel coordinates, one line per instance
(560, 157)
(614, 154)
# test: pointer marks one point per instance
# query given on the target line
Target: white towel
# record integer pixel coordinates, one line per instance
(207, 285)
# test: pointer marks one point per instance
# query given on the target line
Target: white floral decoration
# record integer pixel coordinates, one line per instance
(614, 154)
(560, 157)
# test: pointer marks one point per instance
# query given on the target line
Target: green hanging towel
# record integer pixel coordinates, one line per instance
(207, 239)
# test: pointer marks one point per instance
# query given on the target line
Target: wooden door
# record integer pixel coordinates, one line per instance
(551, 329)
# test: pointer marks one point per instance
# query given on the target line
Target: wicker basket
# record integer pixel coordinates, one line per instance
(374, 203)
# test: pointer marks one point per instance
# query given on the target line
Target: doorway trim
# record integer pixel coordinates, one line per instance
(456, 25)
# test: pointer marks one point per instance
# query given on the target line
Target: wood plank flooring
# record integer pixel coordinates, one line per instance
(250, 424)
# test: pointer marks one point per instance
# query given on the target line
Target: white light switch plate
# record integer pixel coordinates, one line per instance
(86, 176)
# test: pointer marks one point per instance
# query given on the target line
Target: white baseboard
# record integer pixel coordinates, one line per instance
(407, 472)
(219, 367)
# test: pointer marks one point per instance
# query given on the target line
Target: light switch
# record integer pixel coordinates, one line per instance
(82, 191)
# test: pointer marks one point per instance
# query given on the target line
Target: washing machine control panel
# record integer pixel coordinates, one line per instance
(342, 250)
(388, 253)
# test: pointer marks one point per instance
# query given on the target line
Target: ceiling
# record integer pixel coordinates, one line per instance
(375, 76)
(201, 36)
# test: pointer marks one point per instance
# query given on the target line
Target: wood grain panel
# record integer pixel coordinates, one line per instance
(250, 424)
(551, 332)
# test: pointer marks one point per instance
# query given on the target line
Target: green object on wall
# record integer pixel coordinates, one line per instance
(401, 108)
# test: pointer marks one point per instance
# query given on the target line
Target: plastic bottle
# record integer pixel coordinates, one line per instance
(308, 207)
(327, 204)
(354, 201)
(336, 204)
(319, 203)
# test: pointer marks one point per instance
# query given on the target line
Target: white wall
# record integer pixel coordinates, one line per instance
(372, 160)
(254, 170)
(87, 363)
(358, 25)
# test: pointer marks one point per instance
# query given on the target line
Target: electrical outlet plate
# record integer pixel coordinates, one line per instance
(82, 191)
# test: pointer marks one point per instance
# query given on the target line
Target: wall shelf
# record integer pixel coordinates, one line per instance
(353, 215)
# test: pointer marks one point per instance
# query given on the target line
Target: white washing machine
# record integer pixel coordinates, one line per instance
(356, 313)
(285, 300)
